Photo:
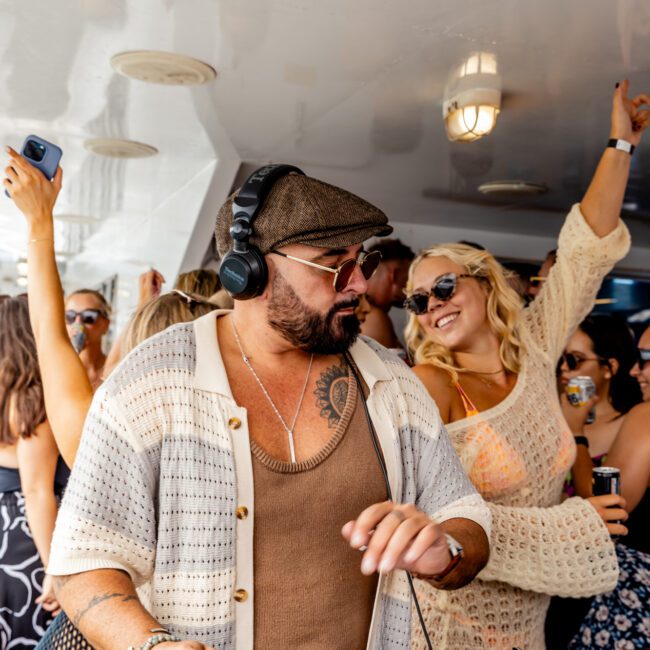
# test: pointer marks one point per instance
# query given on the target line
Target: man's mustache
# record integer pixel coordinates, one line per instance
(353, 302)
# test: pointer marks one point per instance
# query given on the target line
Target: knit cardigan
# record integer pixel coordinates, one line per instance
(518, 454)
(162, 486)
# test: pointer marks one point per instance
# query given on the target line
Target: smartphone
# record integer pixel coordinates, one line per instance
(42, 154)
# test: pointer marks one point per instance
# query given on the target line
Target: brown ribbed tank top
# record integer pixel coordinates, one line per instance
(309, 590)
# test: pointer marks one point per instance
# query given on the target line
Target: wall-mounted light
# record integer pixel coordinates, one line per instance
(472, 98)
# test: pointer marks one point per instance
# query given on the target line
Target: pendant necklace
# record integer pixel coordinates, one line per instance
(288, 429)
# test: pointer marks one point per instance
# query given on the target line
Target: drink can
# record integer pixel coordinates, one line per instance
(580, 390)
(606, 480)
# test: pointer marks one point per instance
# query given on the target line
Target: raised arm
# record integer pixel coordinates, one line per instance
(65, 383)
(592, 239)
(601, 205)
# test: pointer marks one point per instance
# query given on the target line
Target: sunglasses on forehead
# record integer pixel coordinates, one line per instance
(88, 316)
(368, 263)
(443, 290)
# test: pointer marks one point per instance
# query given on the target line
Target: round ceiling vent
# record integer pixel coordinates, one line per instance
(116, 148)
(512, 188)
(163, 68)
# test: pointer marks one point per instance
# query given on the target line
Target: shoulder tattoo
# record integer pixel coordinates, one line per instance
(332, 393)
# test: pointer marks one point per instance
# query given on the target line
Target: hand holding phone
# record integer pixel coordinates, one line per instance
(33, 193)
(42, 155)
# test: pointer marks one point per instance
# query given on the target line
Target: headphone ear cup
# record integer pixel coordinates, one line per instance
(244, 274)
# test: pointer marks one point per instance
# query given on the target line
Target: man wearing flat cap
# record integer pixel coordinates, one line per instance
(264, 477)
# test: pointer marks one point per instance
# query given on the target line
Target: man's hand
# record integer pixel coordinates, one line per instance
(398, 537)
(149, 286)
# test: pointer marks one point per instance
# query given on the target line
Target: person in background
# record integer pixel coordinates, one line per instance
(490, 365)
(31, 480)
(222, 299)
(199, 282)
(641, 369)
(363, 309)
(603, 349)
(386, 290)
(536, 282)
(88, 317)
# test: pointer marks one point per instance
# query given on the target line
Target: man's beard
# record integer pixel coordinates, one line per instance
(304, 327)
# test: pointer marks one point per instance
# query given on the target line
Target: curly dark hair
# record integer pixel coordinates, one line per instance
(22, 407)
(611, 339)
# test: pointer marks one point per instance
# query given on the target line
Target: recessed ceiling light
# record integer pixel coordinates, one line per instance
(512, 188)
(21, 282)
(116, 148)
(166, 68)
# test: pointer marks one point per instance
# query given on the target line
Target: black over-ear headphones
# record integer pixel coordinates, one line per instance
(243, 271)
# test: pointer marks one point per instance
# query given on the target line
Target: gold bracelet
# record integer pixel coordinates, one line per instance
(32, 241)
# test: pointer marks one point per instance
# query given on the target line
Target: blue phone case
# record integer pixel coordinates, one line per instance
(51, 156)
(50, 160)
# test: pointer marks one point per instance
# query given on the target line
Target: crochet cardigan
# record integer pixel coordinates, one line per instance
(164, 469)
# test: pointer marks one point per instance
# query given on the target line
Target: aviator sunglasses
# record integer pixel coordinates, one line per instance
(88, 316)
(443, 290)
(368, 263)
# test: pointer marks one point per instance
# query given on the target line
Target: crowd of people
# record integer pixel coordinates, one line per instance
(242, 469)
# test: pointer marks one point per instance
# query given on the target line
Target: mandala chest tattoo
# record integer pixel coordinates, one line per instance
(332, 393)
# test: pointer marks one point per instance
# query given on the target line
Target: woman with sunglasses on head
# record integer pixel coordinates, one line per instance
(490, 366)
(603, 349)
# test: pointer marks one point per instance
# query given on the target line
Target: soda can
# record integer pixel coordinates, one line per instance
(606, 480)
(580, 390)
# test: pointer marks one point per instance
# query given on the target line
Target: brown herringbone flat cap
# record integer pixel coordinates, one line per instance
(303, 210)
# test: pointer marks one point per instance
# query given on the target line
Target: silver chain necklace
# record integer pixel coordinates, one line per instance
(289, 430)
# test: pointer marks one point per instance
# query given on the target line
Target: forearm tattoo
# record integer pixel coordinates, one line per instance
(332, 393)
(97, 600)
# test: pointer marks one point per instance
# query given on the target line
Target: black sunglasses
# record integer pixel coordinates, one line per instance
(368, 263)
(443, 290)
(88, 316)
(574, 360)
(644, 357)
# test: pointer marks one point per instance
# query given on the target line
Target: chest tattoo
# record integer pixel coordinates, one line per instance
(332, 393)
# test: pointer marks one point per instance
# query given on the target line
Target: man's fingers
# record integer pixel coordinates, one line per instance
(368, 521)
(381, 538)
(347, 529)
(401, 540)
(423, 542)
(11, 174)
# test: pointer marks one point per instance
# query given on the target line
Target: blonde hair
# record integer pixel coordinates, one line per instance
(202, 282)
(159, 313)
(503, 309)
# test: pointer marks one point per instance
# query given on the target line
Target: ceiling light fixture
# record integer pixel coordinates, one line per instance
(117, 148)
(472, 99)
(166, 68)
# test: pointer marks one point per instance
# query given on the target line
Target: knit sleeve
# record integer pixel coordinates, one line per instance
(107, 518)
(583, 260)
(564, 550)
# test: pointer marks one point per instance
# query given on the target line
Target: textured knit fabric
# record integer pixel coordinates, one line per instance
(165, 461)
(304, 210)
(326, 601)
(517, 454)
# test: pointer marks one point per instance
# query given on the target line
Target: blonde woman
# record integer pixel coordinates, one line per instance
(490, 366)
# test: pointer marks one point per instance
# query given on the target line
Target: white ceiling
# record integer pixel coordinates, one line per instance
(351, 91)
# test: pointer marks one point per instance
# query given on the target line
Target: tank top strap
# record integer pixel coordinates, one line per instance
(470, 409)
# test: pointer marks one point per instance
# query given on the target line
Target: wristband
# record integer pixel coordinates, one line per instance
(621, 145)
(582, 440)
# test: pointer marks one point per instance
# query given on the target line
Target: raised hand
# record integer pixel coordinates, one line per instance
(629, 118)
